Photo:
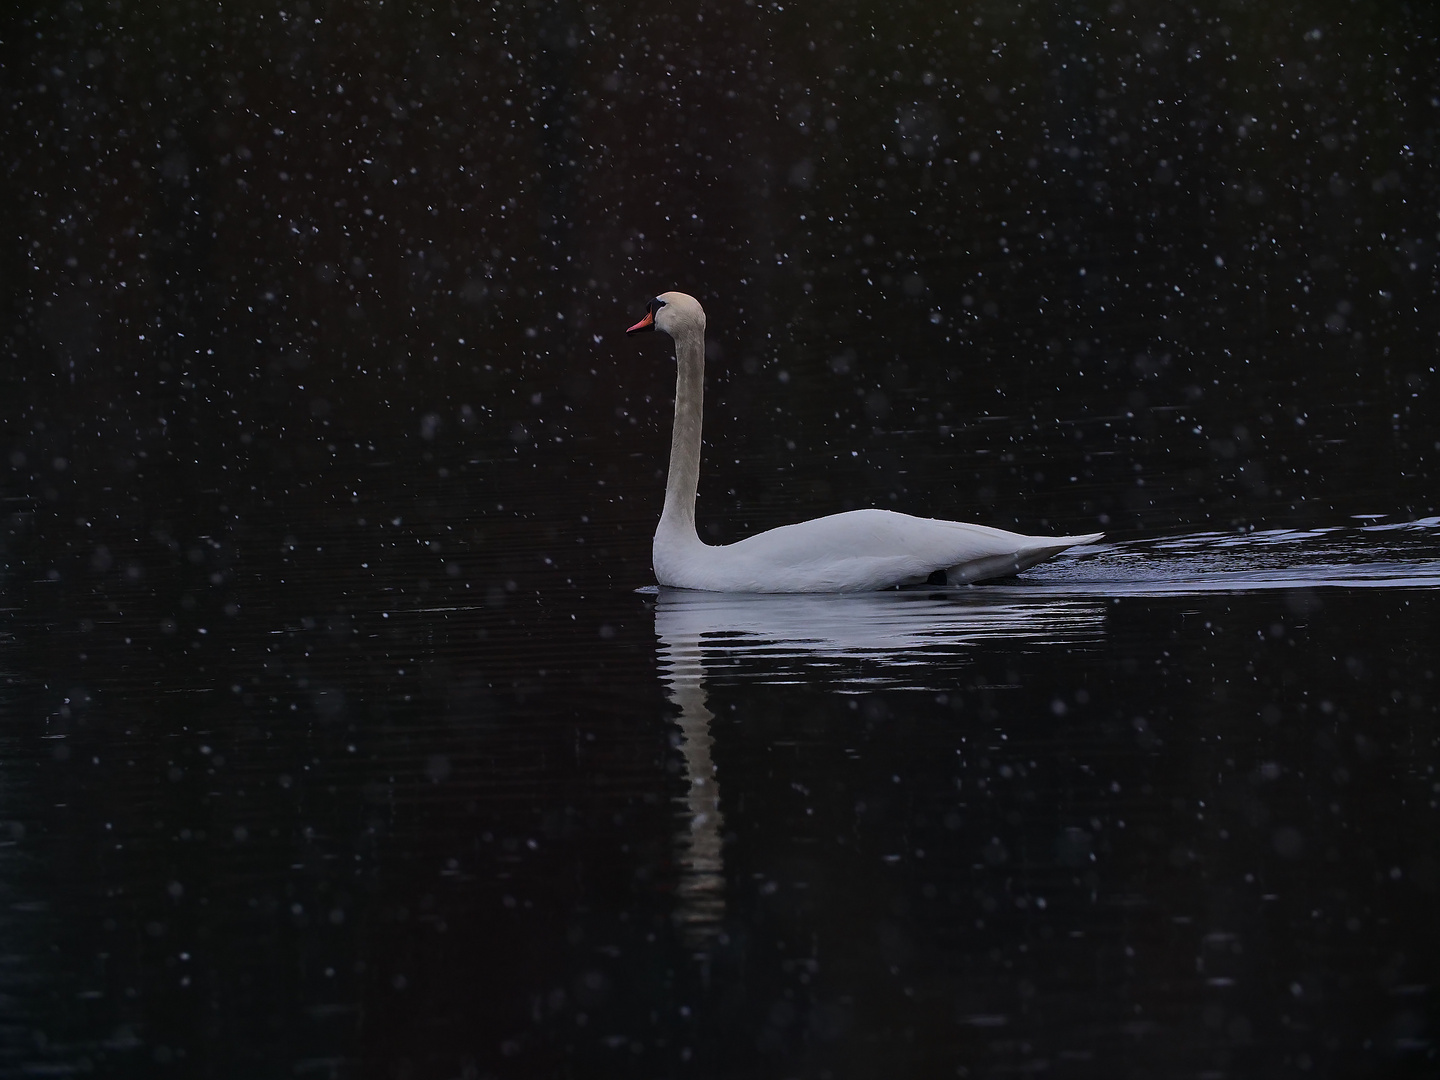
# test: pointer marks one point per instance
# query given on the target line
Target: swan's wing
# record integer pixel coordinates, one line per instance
(868, 549)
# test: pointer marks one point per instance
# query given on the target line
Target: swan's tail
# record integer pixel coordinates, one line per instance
(989, 567)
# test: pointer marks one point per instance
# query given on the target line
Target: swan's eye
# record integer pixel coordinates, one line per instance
(656, 304)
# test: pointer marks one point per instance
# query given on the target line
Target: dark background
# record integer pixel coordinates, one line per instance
(334, 741)
(260, 242)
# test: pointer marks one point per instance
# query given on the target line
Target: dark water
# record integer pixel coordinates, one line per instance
(422, 798)
(342, 731)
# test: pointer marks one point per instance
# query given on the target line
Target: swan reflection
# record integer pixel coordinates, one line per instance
(853, 641)
(916, 639)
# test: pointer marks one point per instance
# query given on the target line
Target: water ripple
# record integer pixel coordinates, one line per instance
(1378, 555)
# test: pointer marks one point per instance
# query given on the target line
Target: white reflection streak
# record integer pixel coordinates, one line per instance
(702, 867)
(899, 639)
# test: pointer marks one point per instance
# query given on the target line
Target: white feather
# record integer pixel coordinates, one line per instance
(851, 552)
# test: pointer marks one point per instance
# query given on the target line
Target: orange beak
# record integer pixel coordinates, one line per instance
(647, 323)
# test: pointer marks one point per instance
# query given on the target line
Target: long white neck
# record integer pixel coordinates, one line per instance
(678, 516)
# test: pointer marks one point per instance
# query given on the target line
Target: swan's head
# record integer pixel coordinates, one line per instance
(673, 312)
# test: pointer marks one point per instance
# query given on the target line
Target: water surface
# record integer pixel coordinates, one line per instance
(1151, 805)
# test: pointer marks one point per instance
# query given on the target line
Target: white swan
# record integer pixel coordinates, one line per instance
(850, 552)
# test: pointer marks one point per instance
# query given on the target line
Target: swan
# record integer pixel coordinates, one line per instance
(856, 551)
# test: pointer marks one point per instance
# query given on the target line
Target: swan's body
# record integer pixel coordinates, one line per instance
(852, 552)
